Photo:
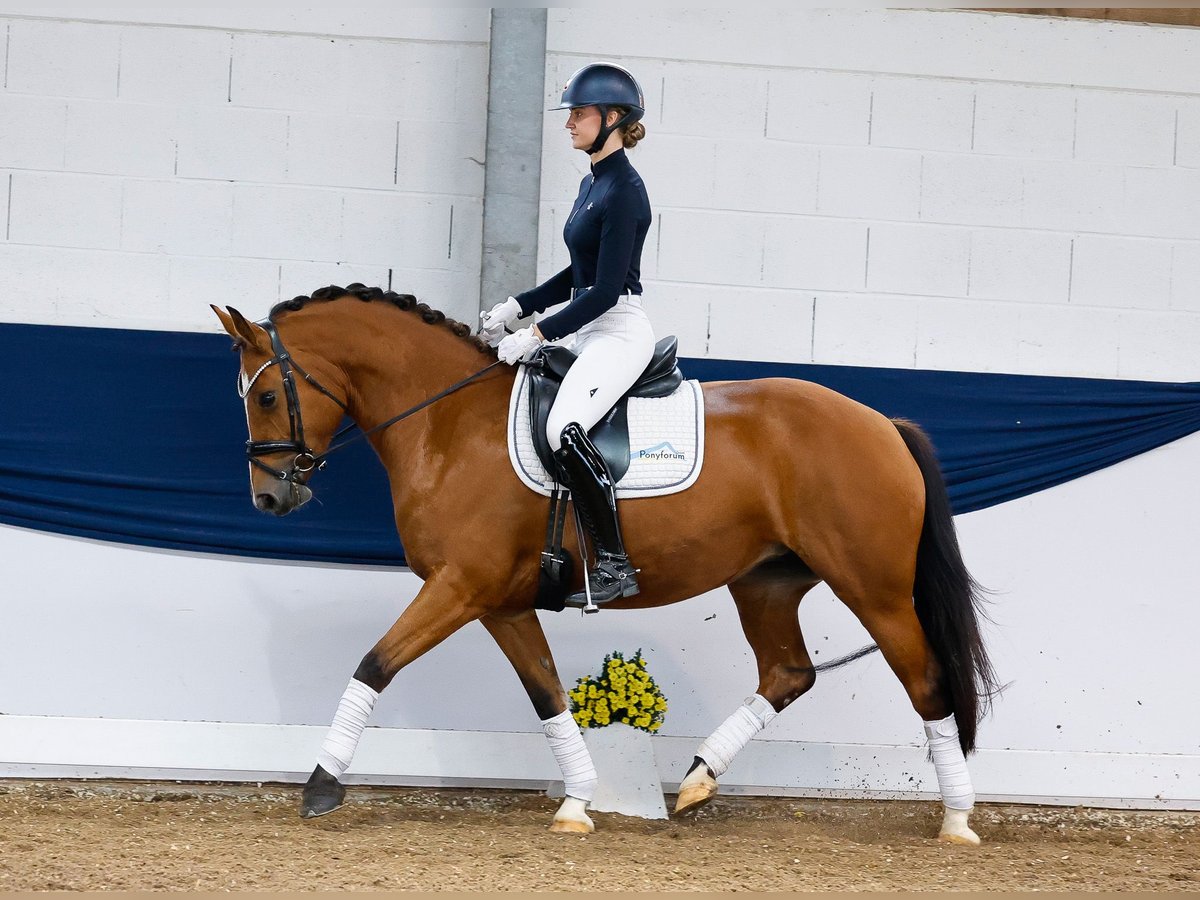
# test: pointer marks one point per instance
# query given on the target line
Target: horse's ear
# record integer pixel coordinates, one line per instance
(244, 332)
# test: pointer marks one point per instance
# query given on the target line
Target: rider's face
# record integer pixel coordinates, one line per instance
(583, 122)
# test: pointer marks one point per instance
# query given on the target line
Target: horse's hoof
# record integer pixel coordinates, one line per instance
(572, 818)
(955, 829)
(322, 795)
(695, 790)
(693, 798)
(970, 839)
(571, 826)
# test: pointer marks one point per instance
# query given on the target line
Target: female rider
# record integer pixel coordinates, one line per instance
(613, 338)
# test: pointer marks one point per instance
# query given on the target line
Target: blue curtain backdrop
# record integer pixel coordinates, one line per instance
(138, 436)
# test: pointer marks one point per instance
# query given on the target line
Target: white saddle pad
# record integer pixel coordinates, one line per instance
(666, 442)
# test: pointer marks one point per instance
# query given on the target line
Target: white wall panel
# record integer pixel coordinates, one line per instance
(696, 98)
(62, 59)
(1012, 264)
(865, 330)
(250, 285)
(197, 60)
(37, 205)
(762, 176)
(233, 144)
(290, 112)
(819, 107)
(1022, 120)
(922, 113)
(1162, 202)
(1064, 340)
(1130, 128)
(34, 132)
(287, 222)
(428, 24)
(1187, 136)
(1075, 197)
(966, 335)
(1185, 276)
(150, 220)
(1125, 272)
(341, 151)
(121, 138)
(918, 259)
(806, 254)
(972, 190)
(870, 183)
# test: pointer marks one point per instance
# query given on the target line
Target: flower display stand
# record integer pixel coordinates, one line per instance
(629, 781)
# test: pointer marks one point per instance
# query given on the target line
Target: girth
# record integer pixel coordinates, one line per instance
(611, 434)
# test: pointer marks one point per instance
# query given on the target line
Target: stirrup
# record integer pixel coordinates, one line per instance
(612, 578)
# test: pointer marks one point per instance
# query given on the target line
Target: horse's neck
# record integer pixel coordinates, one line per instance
(390, 358)
(394, 361)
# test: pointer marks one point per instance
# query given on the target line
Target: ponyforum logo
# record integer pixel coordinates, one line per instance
(658, 451)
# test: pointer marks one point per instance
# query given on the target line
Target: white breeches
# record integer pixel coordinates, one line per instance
(613, 351)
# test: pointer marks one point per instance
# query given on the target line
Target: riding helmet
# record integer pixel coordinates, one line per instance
(604, 85)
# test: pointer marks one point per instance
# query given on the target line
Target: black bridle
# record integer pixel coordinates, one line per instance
(306, 460)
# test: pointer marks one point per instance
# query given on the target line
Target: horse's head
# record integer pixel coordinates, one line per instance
(290, 413)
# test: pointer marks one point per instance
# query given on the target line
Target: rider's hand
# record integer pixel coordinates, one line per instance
(519, 346)
(497, 318)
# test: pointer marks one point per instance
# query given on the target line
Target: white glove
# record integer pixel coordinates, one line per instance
(497, 318)
(519, 346)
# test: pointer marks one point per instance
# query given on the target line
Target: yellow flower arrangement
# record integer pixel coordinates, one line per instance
(622, 692)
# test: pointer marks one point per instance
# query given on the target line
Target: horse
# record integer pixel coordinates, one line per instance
(800, 485)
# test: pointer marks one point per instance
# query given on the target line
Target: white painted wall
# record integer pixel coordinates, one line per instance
(153, 162)
(930, 189)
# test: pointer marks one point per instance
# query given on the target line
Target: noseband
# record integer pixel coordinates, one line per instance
(306, 460)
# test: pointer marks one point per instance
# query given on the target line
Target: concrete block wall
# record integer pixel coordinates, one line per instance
(918, 188)
(237, 157)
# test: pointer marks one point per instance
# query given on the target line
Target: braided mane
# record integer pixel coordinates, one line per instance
(407, 302)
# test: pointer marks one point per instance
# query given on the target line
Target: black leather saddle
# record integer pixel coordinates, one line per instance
(611, 434)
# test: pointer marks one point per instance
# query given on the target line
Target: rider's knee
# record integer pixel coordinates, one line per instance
(558, 428)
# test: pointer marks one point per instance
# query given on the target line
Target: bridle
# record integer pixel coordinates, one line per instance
(306, 460)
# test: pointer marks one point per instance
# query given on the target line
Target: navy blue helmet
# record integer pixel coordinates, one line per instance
(605, 85)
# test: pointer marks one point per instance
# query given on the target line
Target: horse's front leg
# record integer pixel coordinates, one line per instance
(521, 638)
(442, 606)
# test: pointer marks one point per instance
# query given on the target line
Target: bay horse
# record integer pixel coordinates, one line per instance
(799, 485)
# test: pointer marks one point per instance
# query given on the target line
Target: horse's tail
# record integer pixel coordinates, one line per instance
(947, 598)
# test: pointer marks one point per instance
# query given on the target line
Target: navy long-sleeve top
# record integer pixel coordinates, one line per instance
(604, 235)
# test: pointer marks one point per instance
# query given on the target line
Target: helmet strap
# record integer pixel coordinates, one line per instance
(606, 129)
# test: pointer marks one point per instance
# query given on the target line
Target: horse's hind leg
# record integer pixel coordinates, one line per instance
(893, 624)
(767, 601)
(521, 638)
(440, 608)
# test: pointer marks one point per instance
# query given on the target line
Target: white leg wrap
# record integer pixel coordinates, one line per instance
(571, 754)
(951, 766)
(342, 740)
(723, 745)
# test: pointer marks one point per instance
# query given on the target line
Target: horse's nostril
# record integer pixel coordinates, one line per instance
(265, 502)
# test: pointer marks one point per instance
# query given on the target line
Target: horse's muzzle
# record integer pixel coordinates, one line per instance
(283, 498)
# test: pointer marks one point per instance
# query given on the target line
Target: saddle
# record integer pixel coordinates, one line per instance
(611, 434)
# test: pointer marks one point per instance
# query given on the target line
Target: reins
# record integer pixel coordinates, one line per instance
(458, 385)
(305, 460)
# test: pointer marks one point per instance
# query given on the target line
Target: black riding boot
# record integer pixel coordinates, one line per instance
(583, 471)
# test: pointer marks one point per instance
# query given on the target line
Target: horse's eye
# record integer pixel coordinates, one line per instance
(267, 399)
